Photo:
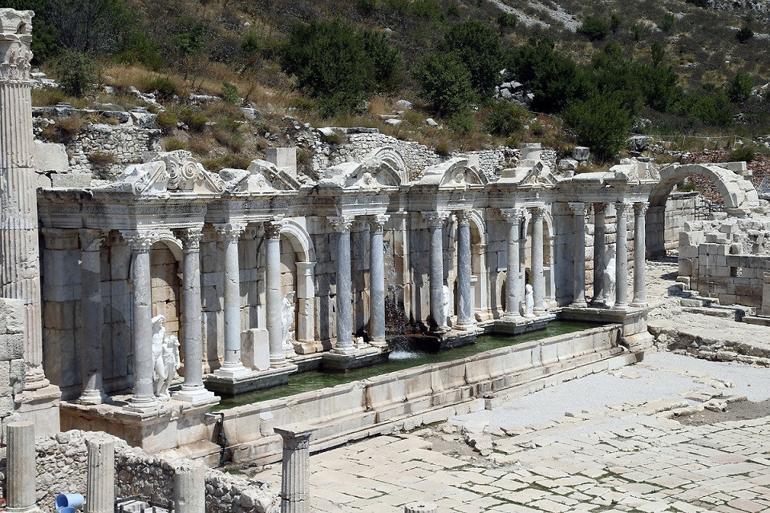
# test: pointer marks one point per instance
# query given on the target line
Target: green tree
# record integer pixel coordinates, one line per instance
(77, 72)
(386, 60)
(602, 123)
(477, 45)
(745, 34)
(444, 83)
(595, 28)
(504, 119)
(739, 88)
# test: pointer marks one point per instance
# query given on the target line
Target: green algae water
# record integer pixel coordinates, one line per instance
(315, 380)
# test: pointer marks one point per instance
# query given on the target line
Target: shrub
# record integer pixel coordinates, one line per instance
(77, 73)
(230, 93)
(505, 119)
(194, 119)
(507, 21)
(229, 160)
(167, 120)
(667, 23)
(602, 123)
(102, 159)
(47, 96)
(745, 152)
(477, 46)
(386, 61)
(444, 83)
(174, 144)
(595, 28)
(165, 87)
(739, 88)
(462, 123)
(708, 107)
(745, 34)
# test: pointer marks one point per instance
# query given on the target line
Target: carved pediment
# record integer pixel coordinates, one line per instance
(261, 177)
(149, 178)
(382, 168)
(454, 174)
(539, 175)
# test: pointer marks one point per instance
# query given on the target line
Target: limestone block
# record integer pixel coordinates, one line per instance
(50, 157)
(11, 315)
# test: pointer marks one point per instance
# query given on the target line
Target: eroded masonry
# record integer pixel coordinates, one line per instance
(162, 288)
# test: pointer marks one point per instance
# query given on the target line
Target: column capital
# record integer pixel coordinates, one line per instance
(435, 219)
(295, 437)
(640, 207)
(599, 207)
(190, 237)
(341, 223)
(91, 240)
(230, 231)
(377, 222)
(463, 217)
(578, 208)
(273, 229)
(621, 207)
(140, 241)
(512, 215)
(537, 211)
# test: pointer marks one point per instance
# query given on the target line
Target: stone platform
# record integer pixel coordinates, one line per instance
(633, 319)
(256, 380)
(363, 357)
(519, 325)
(434, 342)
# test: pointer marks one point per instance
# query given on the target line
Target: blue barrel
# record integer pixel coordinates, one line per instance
(69, 500)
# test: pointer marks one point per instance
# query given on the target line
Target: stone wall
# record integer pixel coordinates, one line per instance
(61, 467)
(665, 222)
(11, 356)
(728, 259)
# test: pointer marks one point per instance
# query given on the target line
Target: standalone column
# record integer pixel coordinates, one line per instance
(621, 257)
(512, 276)
(100, 486)
(92, 313)
(538, 278)
(344, 297)
(20, 457)
(232, 367)
(190, 489)
(273, 294)
(600, 247)
(377, 282)
(437, 314)
(579, 271)
(143, 398)
(295, 482)
(640, 248)
(464, 314)
(192, 389)
(19, 253)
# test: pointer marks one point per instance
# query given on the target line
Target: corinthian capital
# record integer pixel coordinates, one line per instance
(435, 219)
(140, 241)
(341, 223)
(190, 237)
(378, 222)
(230, 231)
(512, 215)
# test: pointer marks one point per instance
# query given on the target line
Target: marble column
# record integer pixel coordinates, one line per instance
(538, 278)
(100, 476)
(273, 295)
(19, 251)
(21, 468)
(190, 489)
(579, 270)
(377, 281)
(295, 474)
(512, 276)
(437, 314)
(600, 249)
(344, 296)
(232, 368)
(92, 313)
(143, 398)
(464, 313)
(621, 257)
(192, 390)
(640, 248)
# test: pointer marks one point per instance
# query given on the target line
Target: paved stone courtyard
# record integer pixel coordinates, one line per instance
(608, 442)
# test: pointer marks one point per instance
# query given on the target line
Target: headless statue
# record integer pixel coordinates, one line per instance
(609, 280)
(529, 301)
(165, 357)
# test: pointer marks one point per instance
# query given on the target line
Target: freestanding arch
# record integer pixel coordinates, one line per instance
(738, 194)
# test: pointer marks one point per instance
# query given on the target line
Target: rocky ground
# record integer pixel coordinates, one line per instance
(670, 434)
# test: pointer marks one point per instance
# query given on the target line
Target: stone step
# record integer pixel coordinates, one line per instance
(724, 313)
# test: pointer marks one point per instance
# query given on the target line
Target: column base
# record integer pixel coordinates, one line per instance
(620, 306)
(252, 380)
(27, 509)
(639, 304)
(143, 405)
(345, 350)
(92, 397)
(470, 326)
(381, 342)
(579, 304)
(195, 396)
(364, 357)
(233, 371)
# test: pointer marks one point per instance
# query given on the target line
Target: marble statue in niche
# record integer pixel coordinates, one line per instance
(165, 357)
(609, 279)
(287, 324)
(529, 301)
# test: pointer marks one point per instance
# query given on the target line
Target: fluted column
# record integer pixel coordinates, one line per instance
(600, 261)
(273, 293)
(640, 249)
(190, 489)
(100, 476)
(143, 398)
(538, 278)
(377, 281)
(621, 257)
(232, 367)
(512, 276)
(579, 270)
(464, 313)
(20, 462)
(341, 225)
(92, 313)
(19, 252)
(192, 390)
(435, 224)
(295, 475)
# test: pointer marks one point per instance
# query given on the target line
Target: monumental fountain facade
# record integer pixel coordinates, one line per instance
(234, 280)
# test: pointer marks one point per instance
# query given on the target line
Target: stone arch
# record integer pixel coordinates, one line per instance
(299, 239)
(302, 245)
(166, 284)
(387, 157)
(479, 265)
(549, 259)
(737, 193)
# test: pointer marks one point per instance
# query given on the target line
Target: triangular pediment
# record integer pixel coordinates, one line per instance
(539, 175)
(261, 177)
